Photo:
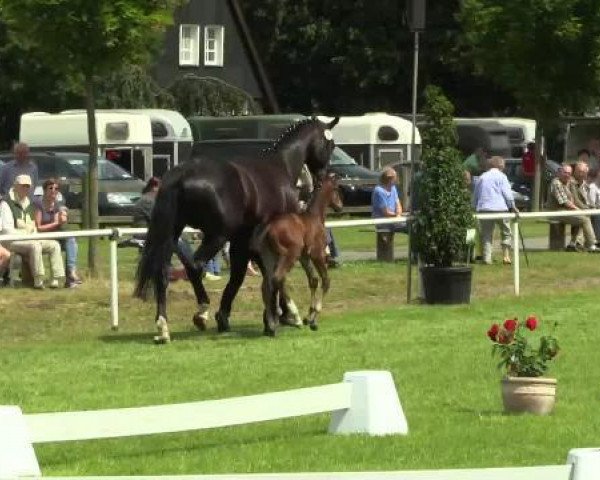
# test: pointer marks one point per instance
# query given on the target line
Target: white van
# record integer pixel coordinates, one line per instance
(376, 140)
(124, 138)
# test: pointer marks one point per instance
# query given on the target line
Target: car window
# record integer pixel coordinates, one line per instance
(339, 157)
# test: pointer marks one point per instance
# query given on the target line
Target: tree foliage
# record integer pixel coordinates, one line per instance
(545, 52)
(84, 39)
(443, 204)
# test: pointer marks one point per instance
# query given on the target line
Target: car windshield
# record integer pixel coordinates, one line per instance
(339, 157)
(107, 170)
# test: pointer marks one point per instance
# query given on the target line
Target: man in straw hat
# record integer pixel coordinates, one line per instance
(16, 214)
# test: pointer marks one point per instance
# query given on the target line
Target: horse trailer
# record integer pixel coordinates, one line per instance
(242, 127)
(124, 138)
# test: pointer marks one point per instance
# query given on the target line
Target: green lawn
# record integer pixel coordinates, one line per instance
(58, 354)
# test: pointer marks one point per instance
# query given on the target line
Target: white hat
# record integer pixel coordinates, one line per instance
(23, 180)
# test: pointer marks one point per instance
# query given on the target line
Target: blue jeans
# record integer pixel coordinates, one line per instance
(333, 251)
(69, 245)
(185, 253)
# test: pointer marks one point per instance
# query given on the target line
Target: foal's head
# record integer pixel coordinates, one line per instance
(328, 195)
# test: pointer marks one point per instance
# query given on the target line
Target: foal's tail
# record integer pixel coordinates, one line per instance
(159, 245)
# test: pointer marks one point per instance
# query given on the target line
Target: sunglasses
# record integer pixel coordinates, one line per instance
(54, 187)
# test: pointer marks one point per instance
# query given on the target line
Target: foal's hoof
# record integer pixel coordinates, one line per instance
(199, 321)
(267, 332)
(305, 321)
(161, 340)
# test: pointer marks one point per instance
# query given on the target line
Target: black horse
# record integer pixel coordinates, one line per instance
(226, 200)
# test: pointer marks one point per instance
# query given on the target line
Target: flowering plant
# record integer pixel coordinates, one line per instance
(517, 356)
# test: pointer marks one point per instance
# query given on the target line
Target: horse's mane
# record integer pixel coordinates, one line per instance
(287, 134)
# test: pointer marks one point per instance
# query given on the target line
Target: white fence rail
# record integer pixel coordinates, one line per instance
(116, 234)
(365, 402)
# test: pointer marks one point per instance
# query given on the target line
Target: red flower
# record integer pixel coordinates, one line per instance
(504, 338)
(531, 323)
(493, 332)
(511, 324)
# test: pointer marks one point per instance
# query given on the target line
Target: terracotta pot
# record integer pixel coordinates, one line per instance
(529, 395)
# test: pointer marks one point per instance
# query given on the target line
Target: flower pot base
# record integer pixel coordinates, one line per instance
(529, 395)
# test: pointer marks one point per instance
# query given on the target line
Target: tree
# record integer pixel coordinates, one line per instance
(546, 52)
(85, 39)
(443, 212)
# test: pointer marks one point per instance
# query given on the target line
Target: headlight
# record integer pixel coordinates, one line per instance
(119, 198)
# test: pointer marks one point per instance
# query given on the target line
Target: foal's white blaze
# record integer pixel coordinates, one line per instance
(293, 309)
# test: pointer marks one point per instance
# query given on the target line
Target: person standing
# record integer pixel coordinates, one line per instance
(493, 194)
(21, 165)
(17, 214)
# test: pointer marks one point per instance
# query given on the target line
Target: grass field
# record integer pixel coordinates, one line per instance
(58, 354)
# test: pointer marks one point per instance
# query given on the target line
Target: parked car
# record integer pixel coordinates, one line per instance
(118, 190)
(521, 187)
(356, 182)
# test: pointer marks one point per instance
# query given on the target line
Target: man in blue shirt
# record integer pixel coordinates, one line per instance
(493, 194)
(385, 202)
(21, 165)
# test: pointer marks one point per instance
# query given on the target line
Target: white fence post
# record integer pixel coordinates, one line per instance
(114, 280)
(375, 407)
(586, 463)
(516, 258)
(17, 457)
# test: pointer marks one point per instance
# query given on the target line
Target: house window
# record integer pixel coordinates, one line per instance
(189, 45)
(213, 45)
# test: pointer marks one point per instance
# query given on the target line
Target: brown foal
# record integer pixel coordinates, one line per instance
(294, 236)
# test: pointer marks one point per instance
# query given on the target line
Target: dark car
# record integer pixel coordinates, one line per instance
(520, 185)
(117, 189)
(356, 182)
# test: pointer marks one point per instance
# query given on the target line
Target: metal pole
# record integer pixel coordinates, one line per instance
(114, 280)
(412, 164)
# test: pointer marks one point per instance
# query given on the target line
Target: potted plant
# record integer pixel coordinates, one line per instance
(443, 214)
(524, 389)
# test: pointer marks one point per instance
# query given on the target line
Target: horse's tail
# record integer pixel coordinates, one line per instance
(159, 245)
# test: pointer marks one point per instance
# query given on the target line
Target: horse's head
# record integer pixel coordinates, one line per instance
(321, 146)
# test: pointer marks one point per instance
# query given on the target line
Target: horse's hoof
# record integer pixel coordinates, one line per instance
(314, 327)
(161, 340)
(305, 321)
(269, 333)
(199, 321)
(222, 322)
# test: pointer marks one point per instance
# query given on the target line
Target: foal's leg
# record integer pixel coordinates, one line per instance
(320, 262)
(160, 293)
(268, 262)
(313, 284)
(239, 256)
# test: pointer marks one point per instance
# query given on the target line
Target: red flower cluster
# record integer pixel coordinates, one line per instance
(518, 356)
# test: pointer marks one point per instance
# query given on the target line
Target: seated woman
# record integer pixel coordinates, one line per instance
(386, 202)
(16, 212)
(51, 216)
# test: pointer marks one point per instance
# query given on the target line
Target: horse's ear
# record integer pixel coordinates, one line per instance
(333, 123)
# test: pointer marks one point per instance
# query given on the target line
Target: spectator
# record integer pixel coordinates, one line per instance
(593, 152)
(51, 216)
(385, 202)
(594, 202)
(493, 194)
(561, 198)
(21, 165)
(475, 163)
(580, 190)
(16, 212)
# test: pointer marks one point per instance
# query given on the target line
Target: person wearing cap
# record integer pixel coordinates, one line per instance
(21, 165)
(385, 201)
(17, 215)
